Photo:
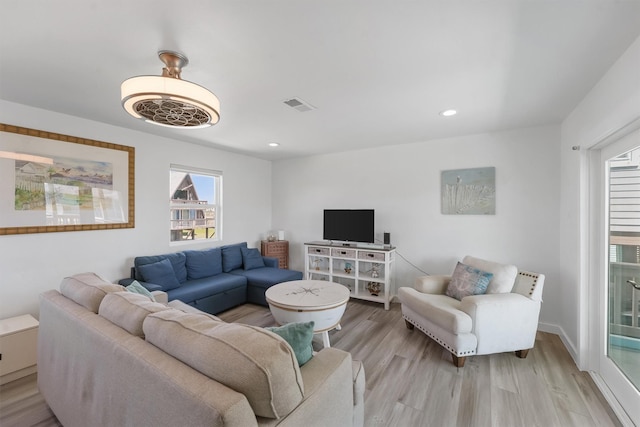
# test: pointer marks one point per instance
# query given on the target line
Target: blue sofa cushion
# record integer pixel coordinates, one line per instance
(207, 286)
(178, 261)
(251, 258)
(232, 256)
(161, 273)
(203, 263)
(270, 262)
(267, 276)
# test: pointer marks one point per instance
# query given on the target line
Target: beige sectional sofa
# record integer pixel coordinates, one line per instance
(109, 357)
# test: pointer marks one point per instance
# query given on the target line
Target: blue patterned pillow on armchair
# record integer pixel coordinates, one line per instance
(467, 280)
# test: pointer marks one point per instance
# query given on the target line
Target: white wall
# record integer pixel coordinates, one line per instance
(611, 105)
(32, 263)
(402, 184)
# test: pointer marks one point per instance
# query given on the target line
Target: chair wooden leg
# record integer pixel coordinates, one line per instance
(409, 324)
(522, 353)
(458, 361)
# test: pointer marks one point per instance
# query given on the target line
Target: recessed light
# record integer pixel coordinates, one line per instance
(274, 144)
(448, 113)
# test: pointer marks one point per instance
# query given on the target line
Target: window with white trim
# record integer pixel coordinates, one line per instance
(195, 204)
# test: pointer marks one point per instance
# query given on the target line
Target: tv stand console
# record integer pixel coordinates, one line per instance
(367, 270)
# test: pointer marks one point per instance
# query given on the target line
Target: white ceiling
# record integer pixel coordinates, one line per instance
(378, 71)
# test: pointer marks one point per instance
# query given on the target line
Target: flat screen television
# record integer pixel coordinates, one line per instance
(349, 225)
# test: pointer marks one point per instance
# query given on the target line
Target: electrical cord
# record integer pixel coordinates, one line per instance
(412, 264)
(409, 262)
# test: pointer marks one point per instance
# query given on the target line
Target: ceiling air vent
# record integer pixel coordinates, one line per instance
(299, 104)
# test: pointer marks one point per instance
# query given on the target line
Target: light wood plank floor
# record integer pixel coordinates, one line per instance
(22, 405)
(412, 382)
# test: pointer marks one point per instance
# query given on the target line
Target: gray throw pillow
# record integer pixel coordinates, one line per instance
(467, 280)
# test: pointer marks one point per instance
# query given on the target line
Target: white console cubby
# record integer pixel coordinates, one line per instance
(366, 271)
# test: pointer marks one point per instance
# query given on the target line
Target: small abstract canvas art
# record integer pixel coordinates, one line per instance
(469, 191)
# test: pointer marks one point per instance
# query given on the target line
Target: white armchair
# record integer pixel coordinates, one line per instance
(505, 318)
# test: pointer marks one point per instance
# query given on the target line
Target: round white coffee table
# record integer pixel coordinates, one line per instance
(305, 300)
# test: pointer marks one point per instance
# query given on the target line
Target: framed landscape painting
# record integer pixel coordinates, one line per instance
(469, 191)
(51, 182)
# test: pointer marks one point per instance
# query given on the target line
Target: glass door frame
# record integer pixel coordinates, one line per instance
(612, 382)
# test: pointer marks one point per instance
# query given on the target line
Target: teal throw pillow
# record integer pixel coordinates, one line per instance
(467, 280)
(251, 258)
(160, 273)
(137, 288)
(299, 336)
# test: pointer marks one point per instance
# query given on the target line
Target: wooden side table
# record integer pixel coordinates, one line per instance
(276, 249)
(18, 342)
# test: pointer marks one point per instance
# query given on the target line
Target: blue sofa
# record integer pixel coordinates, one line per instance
(212, 280)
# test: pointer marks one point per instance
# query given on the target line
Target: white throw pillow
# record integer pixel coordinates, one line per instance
(504, 276)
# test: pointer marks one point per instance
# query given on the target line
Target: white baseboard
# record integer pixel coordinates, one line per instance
(7, 378)
(557, 330)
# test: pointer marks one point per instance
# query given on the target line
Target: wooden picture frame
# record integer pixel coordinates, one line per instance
(52, 183)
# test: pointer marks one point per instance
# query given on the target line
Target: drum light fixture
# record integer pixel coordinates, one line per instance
(167, 100)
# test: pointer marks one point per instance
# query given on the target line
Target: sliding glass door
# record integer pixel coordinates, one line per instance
(620, 344)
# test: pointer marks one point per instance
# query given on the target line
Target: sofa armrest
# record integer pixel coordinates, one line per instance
(156, 290)
(502, 322)
(150, 286)
(432, 284)
(160, 296)
(271, 262)
(328, 391)
(125, 282)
